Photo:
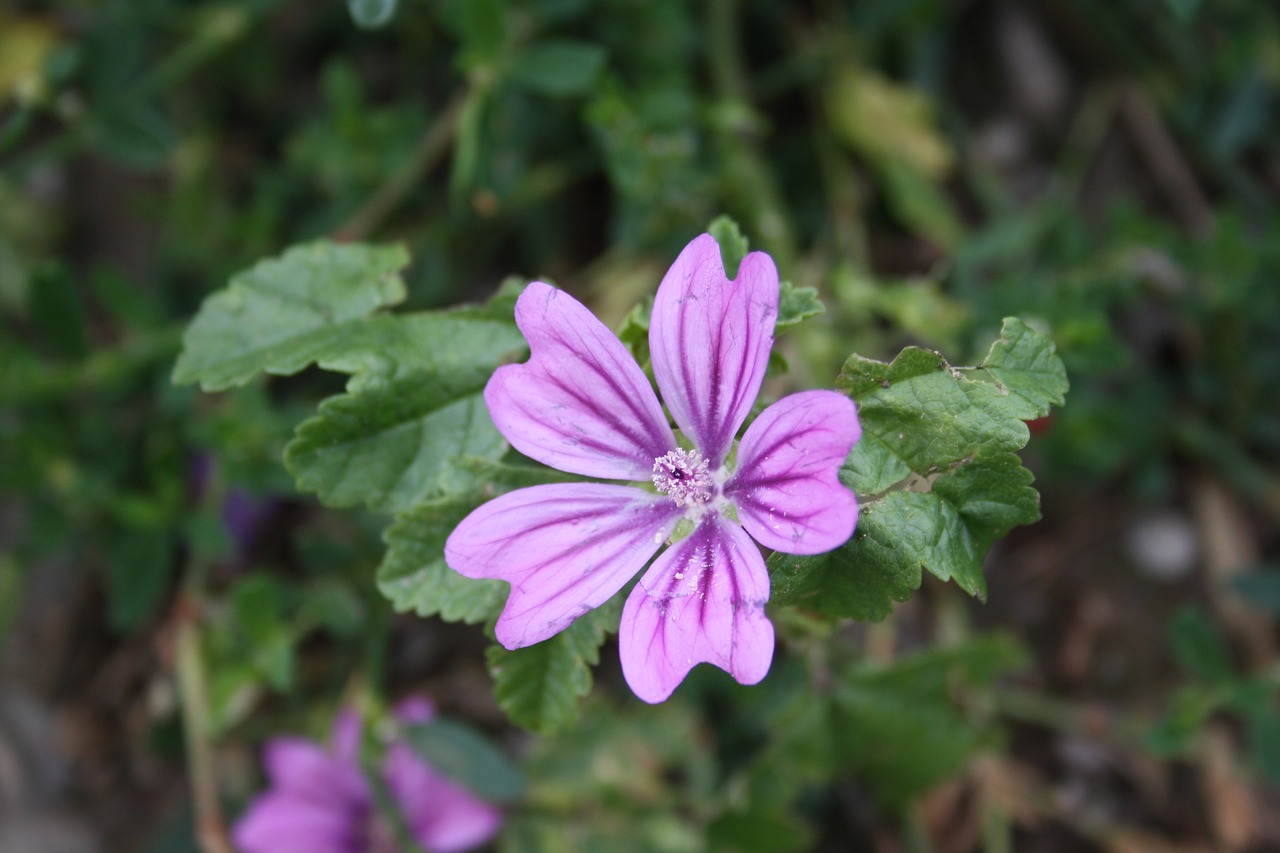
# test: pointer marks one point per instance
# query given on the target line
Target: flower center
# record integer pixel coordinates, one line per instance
(683, 475)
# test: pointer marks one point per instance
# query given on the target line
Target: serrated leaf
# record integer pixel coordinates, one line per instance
(461, 754)
(413, 574)
(992, 495)
(284, 313)
(959, 437)
(840, 584)
(947, 530)
(796, 304)
(388, 348)
(927, 415)
(1025, 363)
(538, 687)
(395, 445)
(914, 529)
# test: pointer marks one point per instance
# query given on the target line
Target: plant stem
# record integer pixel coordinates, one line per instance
(211, 829)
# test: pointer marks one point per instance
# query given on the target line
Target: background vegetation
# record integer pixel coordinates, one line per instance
(1108, 170)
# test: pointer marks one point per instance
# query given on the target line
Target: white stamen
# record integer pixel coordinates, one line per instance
(683, 475)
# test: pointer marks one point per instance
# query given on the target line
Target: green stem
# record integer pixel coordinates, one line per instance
(211, 828)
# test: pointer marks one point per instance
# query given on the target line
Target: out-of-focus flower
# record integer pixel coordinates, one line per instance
(581, 404)
(320, 802)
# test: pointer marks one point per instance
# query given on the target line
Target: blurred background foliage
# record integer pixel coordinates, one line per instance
(1108, 170)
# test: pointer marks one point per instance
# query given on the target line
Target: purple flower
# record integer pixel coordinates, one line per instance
(320, 802)
(581, 404)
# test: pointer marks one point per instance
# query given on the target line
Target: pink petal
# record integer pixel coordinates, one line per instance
(281, 822)
(443, 816)
(305, 770)
(710, 340)
(580, 403)
(701, 601)
(786, 489)
(414, 709)
(346, 735)
(564, 548)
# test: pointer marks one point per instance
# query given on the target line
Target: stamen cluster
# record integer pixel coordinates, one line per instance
(683, 475)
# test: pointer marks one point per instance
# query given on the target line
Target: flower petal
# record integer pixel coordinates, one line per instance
(346, 736)
(710, 340)
(303, 769)
(565, 549)
(580, 403)
(282, 822)
(443, 816)
(701, 601)
(414, 709)
(786, 489)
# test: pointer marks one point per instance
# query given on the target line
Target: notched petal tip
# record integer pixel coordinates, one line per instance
(701, 602)
(710, 340)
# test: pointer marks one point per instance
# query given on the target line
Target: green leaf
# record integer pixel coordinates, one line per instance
(1189, 710)
(733, 245)
(1026, 364)
(927, 415)
(394, 446)
(899, 728)
(946, 531)
(539, 686)
(992, 495)
(413, 410)
(937, 468)
(559, 68)
(387, 348)
(758, 830)
(460, 753)
(1199, 647)
(287, 312)
(634, 331)
(873, 466)
(839, 585)
(482, 28)
(796, 304)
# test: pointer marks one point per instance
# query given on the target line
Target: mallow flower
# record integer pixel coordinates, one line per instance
(320, 801)
(582, 404)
